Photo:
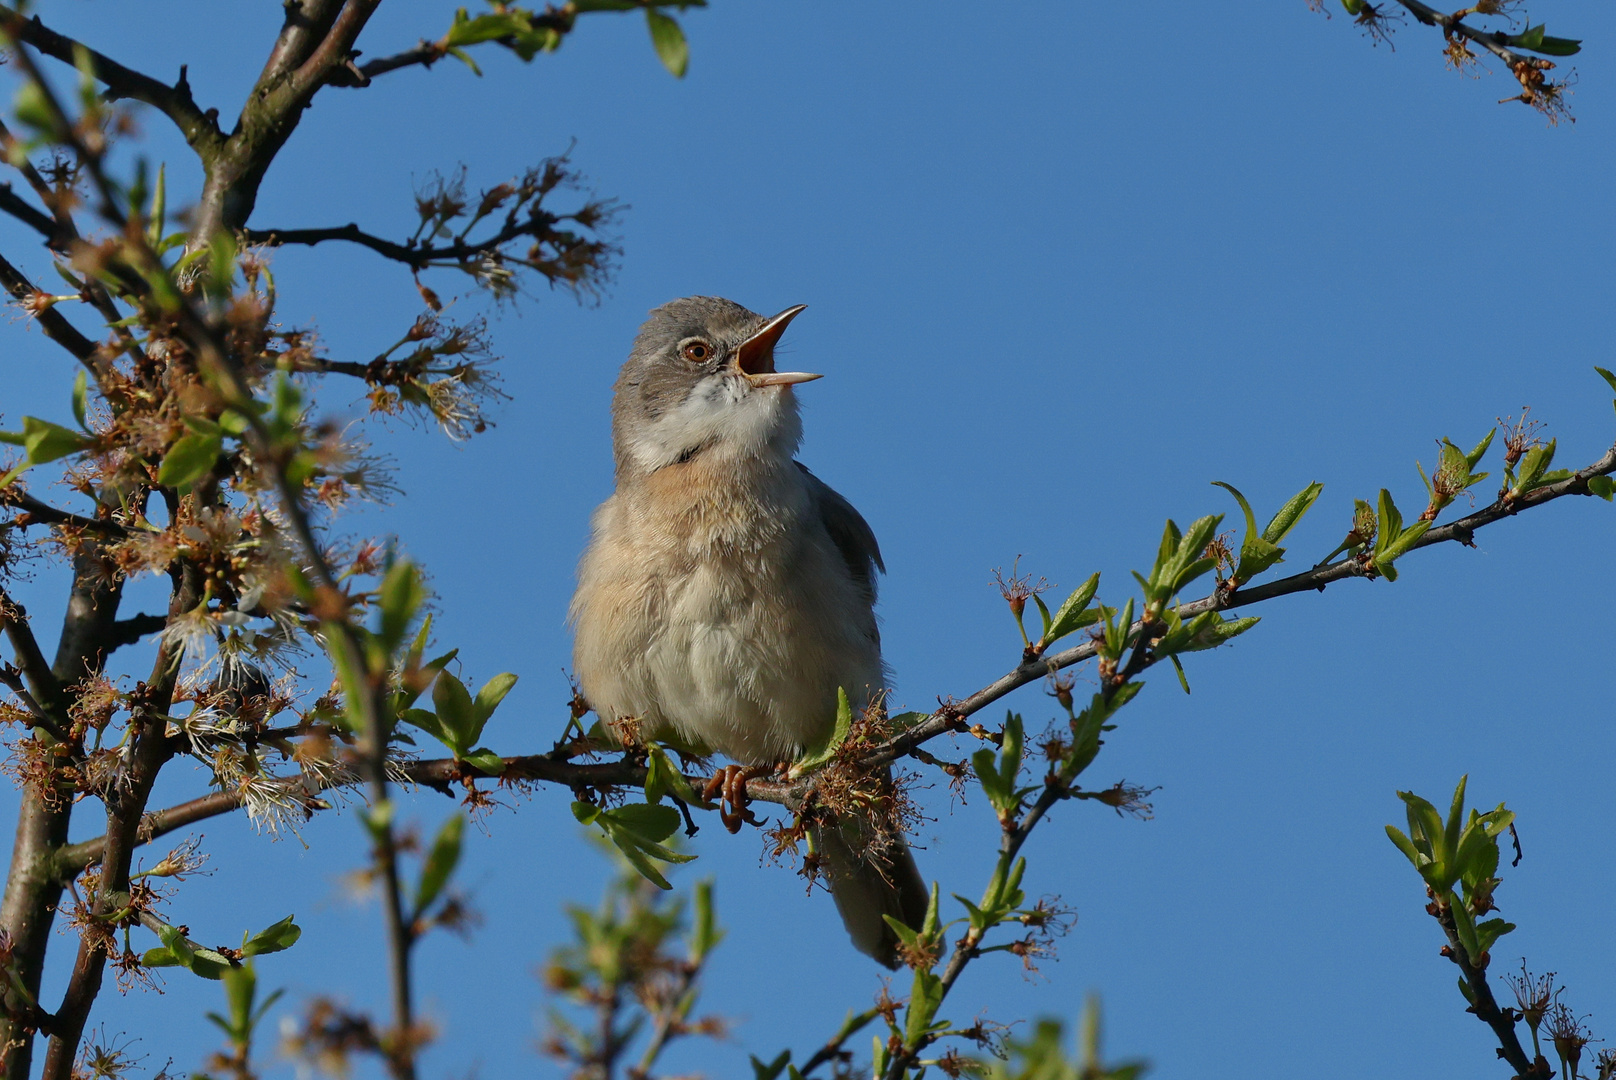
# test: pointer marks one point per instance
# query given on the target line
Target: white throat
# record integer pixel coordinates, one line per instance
(723, 414)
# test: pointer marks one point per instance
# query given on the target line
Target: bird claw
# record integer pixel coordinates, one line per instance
(729, 783)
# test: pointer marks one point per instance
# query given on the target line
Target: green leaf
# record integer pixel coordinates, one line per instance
(210, 964)
(455, 711)
(189, 459)
(81, 389)
(924, 999)
(1475, 857)
(1183, 679)
(489, 697)
(1534, 40)
(474, 31)
(1171, 536)
(273, 939)
(1406, 846)
(240, 987)
(1602, 486)
(222, 1023)
(1245, 506)
(402, 593)
(267, 1004)
(669, 42)
(906, 934)
(1488, 933)
(1533, 465)
(635, 830)
(978, 919)
(489, 761)
(222, 262)
(530, 43)
(1117, 631)
(814, 757)
(33, 109)
(1187, 563)
(1043, 614)
(1473, 458)
(465, 58)
(1220, 632)
(1403, 544)
(46, 441)
(440, 863)
(429, 723)
(378, 819)
(652, 822)
(177, 944)
(1454, 826)
(204, 962)
(161, 957)
(772, 1069)
(1390, 521)
(704, 932)
(1464, 927)
(1530, 39)
(662, 777)
(1074, 613)
(1608, 376)
(1286, 517)
(986, 765)
(159, 209)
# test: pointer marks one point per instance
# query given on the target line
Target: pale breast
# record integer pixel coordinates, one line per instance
(723, 611)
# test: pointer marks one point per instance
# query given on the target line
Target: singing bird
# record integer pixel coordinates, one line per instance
(727, 592)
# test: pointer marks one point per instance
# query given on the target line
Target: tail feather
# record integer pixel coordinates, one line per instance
(868, 883)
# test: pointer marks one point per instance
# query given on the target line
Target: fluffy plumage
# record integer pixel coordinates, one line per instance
(727, 592)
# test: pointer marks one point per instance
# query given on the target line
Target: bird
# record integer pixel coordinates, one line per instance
(727, 594)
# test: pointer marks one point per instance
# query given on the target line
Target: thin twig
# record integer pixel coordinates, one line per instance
(174, 102)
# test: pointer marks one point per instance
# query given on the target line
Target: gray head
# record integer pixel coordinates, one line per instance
(701, 379)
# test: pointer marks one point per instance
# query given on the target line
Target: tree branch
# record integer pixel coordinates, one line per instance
(33, 886)
(1492, 41)
(1486, 1009)
(200, 129)
(949, 717)
(306, 24)
(557, 766)
(51, 321)
(425, 54)
(131, 630)
(42, 681)
(31, 216)
(35, 512)
(416, 258)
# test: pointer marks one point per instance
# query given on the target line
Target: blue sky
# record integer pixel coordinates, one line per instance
(1065, 266)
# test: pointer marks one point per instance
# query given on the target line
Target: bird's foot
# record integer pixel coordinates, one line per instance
(729, 783)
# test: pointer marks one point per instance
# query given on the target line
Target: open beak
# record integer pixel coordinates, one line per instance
(755, 357)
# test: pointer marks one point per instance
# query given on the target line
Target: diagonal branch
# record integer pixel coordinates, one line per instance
(1492, 41)
(42, 681)
(30, 215)
(52, 321)
(200, 129)
(557, 766)
(950, 717)
(35, 512)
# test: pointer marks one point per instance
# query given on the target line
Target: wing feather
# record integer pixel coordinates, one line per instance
(849, 531)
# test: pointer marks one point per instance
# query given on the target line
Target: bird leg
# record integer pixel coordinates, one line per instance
(730, 784)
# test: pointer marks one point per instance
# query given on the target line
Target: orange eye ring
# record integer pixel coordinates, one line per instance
(697, 352)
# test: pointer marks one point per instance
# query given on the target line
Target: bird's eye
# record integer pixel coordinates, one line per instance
(697, 352)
